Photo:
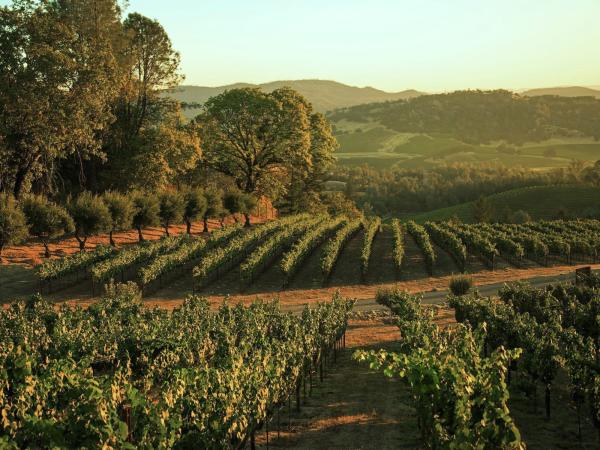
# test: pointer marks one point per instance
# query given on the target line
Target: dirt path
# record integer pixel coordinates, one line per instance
(381, 263)
(346, 270)
(354, 407)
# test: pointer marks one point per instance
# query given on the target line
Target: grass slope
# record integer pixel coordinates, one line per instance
(541, 202)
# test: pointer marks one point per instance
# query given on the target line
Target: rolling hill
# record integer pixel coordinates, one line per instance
(541, 202)
(570, 91)
(325, 95)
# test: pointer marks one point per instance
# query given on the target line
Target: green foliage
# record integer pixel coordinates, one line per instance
(460, 285)
(146, 210)
(282, 145)
(277, 243)
(398, 233)
(421, 237)
(46, 220)
(171, 206)
(55, 269)
(482, 116)
(237, 202)
(58, 65)
(335, 245)
(520, 216)
(292, 259)
(120, 375)
(185, 253)
(121, 210)
(449, 241)
(461, 396)
(214, 205)
(13, 225)
(90, 216)
(238, 248)
(120, 262)
(540, 202)
(371, 229)
(483, 210)
(195, 205)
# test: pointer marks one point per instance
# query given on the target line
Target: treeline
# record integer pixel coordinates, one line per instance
(88, 214)
(82, 90)
(481, 117)
(401, 190)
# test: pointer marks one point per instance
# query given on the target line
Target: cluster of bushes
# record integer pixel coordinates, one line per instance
(89, 214)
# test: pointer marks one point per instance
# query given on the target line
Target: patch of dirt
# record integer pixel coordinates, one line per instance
(354, 407)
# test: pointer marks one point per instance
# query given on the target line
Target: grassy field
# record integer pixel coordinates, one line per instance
(373, 144)
(543, 202)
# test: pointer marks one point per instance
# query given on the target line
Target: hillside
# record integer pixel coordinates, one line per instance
(325, 95)
(470, 126)
(542, 202)
(570, 91)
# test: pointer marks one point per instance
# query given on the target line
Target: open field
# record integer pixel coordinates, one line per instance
(374, 144)
(543, 202)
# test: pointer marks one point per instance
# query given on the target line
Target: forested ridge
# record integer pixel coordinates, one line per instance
(481, 117)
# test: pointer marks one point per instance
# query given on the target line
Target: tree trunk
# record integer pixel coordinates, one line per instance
(81, 243)
(111, 240)
(19, 180)
(140, 236)
(205, 225)
(247, 224)
(47, 250)
(189, 226)
(547, 402)
(167, 230)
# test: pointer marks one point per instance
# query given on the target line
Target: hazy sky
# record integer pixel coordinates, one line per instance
(430, 45)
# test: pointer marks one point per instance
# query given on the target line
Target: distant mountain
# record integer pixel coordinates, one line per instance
(571, 91)
(324, 95)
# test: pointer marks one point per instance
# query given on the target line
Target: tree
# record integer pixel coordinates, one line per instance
(90, 216)
(13, 227)
(149, 144)
(237, 202)
(483, 210)
(195, 206)
(255, 137)
(55, 63)
(307, 181)
(46, 220)
(146, 209)
(171, 208)
(121, 212)
(214, 205)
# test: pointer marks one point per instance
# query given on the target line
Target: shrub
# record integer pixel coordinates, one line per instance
(90, 215)
(46, 220)
(460, 285)
(194, 207)
(520, 216)
(121, 212)
(171, 208)
(146, 209)
(13, 226)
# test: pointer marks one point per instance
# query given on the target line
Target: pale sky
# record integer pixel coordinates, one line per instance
(430, 45)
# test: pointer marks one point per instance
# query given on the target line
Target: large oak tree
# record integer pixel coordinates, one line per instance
(267, 143)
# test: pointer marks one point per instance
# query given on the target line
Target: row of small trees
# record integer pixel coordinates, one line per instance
(89, 214)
